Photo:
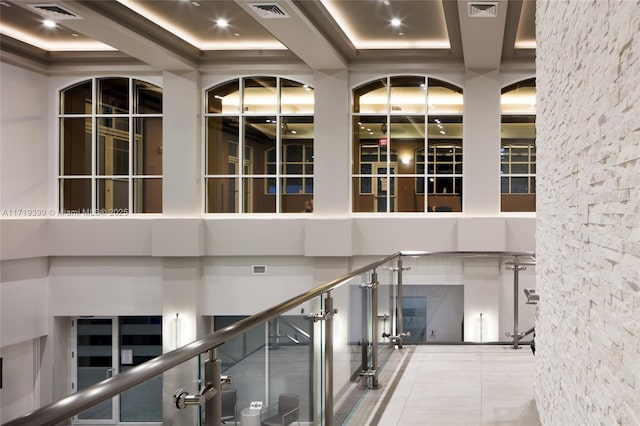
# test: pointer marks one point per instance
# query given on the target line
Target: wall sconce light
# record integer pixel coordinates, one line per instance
(176, 331)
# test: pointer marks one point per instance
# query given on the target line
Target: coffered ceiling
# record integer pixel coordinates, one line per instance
(323, 34)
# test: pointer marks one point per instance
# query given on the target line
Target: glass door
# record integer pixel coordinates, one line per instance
(94, 362)
(107, 346)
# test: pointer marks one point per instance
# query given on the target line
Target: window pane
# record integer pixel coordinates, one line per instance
(519, 98)
(224, 98)
(75, 146)
(257, 199)
(519, 154)
(113, 146)
(114, 96)
(504, 185)
(293, 169)
(292, 186)
(519, 185)
(445, 127)
(371, 98)
(222, 140)
(147, 98)
(222, 195)
(147, 195)
(444, 169)
(112, 195)
(77, 99)
(408, 94)
(293, 153)
(295, 97)
(260, 95)
(444, 185)
(406, 138)
(260, 135)
(75, 195)
(520, 168)
(444, 98)
(308, 185)
(147, 155)
(362, 195)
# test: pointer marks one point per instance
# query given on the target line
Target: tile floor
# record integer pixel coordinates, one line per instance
(459, 385)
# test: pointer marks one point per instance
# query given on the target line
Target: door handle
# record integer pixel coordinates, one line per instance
(110, 372)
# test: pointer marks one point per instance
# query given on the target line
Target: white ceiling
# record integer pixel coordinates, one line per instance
(323, 34)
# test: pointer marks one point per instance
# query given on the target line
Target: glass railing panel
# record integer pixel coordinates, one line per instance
(244, 358)
(350, 345)
(290, 360)
(464, 298)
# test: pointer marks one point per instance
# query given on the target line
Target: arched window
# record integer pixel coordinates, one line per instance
(110, 142)
(407, 145)
(259, 146)
(518, 147)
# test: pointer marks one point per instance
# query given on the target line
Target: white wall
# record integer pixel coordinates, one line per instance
(24, 309)
(588, 274)
(18, 394)
(24, 143)
(105, 286)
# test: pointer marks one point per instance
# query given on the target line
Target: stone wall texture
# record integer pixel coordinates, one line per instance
(588, 212)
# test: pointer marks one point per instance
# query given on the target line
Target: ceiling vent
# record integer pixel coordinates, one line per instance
(54, 11)
(269, 10)
(482, 9)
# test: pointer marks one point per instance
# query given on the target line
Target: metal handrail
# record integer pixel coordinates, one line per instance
(86, 398)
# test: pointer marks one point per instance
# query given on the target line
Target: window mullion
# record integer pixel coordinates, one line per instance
(94, 146)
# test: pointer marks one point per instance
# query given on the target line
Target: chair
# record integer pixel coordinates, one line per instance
(288, 411)
(229, 409)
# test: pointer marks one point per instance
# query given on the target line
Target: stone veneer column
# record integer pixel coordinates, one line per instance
(588, 230)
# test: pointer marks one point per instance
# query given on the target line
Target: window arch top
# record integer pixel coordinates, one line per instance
(407, 95)
(519, 98)
(260, 95)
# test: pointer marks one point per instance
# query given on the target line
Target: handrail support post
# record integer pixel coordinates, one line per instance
(328, 360)
(212, 376)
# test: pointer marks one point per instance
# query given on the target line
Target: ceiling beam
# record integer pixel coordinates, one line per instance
(299, 35)
(482, 36)
(99, 26)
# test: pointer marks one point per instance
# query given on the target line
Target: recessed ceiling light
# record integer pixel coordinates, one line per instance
(75, 35)
(222, 23)
(49, 23)
(195, 3)
(395, 22)
(236, 34)
(400, 34)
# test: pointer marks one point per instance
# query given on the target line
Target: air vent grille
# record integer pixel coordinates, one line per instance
(482, 9)
(54, 11)
(259, 269)
(269, 10)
